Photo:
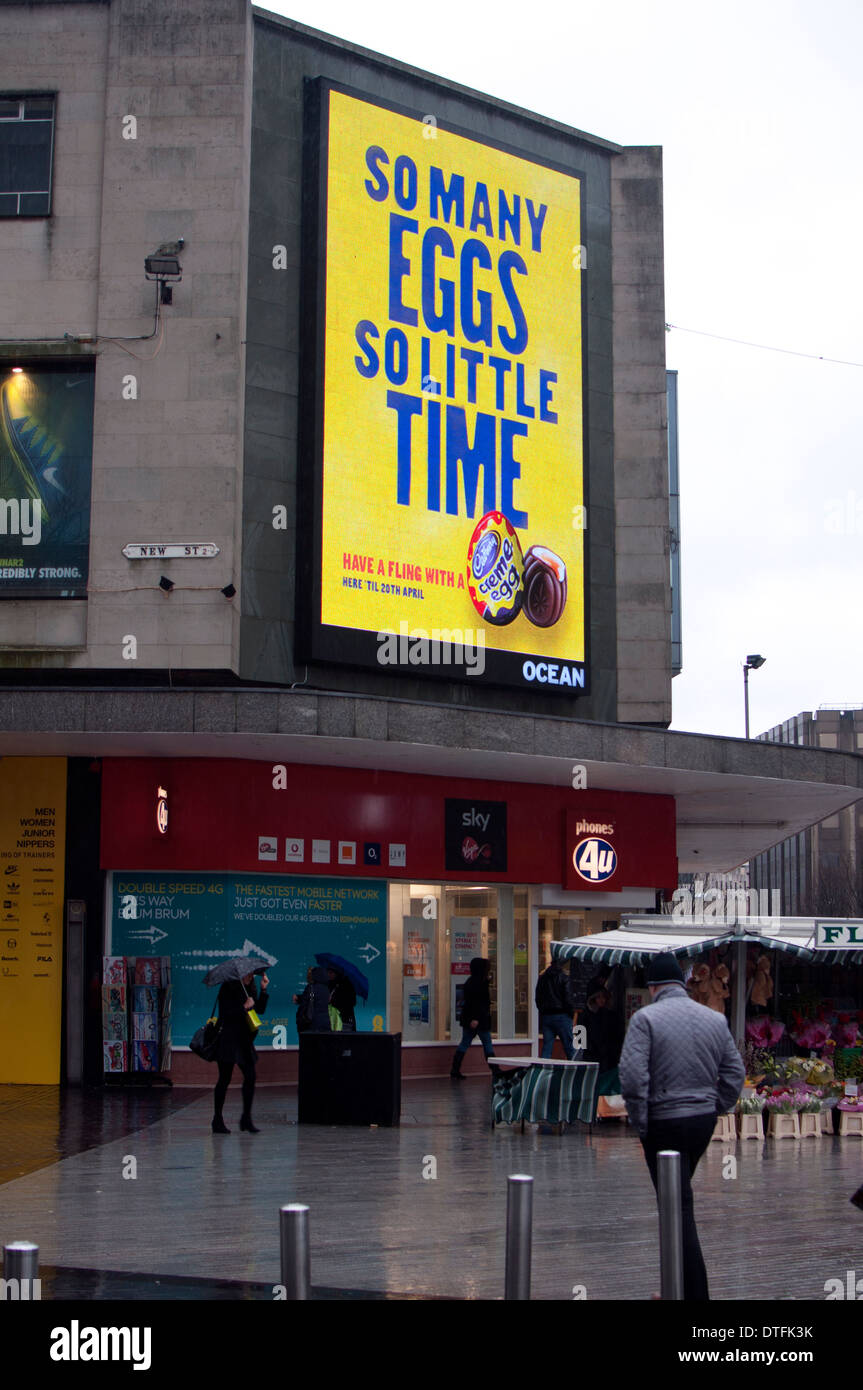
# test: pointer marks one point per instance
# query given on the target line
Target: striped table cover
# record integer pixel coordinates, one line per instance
(554, 1094)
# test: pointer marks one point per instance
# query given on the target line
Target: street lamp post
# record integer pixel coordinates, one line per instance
(751, 663)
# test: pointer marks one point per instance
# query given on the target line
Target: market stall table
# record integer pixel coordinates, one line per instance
(540, 1089)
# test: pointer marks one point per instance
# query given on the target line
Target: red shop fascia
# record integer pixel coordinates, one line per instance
(218, 815)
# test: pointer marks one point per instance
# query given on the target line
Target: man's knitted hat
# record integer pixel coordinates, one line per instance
(664, 970)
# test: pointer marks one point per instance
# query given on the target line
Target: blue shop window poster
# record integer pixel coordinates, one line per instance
(201, 919)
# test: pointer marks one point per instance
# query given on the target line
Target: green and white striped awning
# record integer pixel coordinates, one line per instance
(634, 942)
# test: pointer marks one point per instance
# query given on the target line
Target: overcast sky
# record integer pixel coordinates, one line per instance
(759, 109)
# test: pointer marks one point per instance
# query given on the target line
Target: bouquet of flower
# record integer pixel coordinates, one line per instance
(811, 1035)
(757, 1061)
(751, 1105)
(764, 1032)
(793, 1068)
(812, 1102)
(781, 1103)
(847, 1034)
(851, 1103)
(820, 1073)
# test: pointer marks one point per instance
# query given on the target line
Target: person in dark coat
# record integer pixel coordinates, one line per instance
(318, 992)
(475, 1014)
(598, 981)
(343, 998)
(554, 1001)
(236, 1046)
(604, 1032)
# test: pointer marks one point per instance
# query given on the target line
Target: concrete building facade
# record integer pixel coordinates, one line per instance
(172, 744)
(191, 126)
(821, 869)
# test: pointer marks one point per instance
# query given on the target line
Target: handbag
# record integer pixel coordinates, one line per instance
(252, 1018)
(206, 1041)
(335, 1019)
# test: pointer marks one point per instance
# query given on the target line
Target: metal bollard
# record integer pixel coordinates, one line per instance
(21, 1265)
(295, 1250)
(670, 1225)
(519, 1221)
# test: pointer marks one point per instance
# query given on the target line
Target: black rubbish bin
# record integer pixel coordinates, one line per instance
(350, 1078)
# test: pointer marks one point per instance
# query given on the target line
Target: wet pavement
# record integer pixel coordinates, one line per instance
(91, 1284)
(135, 1184)
(39, 1125)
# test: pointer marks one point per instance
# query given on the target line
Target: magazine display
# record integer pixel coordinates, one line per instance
(136, 1014)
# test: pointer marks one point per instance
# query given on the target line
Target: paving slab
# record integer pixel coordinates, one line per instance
(775, 1224)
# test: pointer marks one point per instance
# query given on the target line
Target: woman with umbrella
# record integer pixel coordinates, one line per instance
(237, 996)
(346, 981)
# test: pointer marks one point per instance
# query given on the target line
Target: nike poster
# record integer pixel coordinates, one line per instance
(46, 450)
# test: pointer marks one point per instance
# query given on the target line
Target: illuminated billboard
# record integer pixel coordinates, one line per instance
(46, 452)
(443, 396)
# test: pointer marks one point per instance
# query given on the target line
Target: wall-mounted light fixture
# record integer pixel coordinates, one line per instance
(163, 267)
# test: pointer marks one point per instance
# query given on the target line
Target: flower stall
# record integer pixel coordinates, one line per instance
(804, 1069)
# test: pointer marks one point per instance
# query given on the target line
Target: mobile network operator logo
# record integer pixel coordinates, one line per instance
(76, 1343)
(594, 859)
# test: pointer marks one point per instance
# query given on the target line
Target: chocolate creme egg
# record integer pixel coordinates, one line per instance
(495, 570)
(544, 586)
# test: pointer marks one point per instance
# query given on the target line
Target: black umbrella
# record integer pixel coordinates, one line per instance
(235, 969)
(347, 967)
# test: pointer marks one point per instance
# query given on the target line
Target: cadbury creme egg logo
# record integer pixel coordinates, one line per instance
(485, 554)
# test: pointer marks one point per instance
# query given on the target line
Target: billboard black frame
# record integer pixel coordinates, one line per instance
(324, 643)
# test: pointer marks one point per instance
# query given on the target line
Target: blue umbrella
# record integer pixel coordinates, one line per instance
(356, 977)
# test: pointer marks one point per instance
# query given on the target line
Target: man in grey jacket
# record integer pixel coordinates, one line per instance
(679, 1069)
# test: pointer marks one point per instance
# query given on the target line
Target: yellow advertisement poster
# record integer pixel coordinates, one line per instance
(32, 857)
(452, 427)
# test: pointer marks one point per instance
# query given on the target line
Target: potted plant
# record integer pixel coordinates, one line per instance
(750, 1110)
(779, 1104)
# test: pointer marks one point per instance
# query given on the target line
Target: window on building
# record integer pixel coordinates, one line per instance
(26, 154)
(828, 740)
(435, 930)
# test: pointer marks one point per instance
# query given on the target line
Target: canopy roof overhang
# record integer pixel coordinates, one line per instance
(639, 938)
(735, 798)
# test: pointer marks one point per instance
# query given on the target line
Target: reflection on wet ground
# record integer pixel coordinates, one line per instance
(111, 1285)
(134, 1182)
(39, 1125)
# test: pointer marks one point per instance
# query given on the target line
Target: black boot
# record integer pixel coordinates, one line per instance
(455, 1069)
(246, 1124)
(219, 1126)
